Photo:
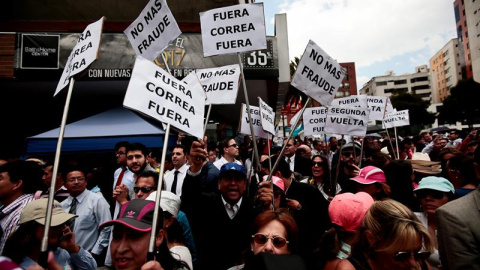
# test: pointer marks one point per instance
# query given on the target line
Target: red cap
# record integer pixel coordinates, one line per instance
(370, 175)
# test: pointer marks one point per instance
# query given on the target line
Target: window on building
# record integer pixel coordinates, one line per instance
(346, 85)
(466, 34)
(457, 14)
(380, 83)
(398, 82)
(447, 70)
(448, 79)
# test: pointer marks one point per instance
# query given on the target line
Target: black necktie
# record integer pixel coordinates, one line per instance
(73, 210)
(174, 184)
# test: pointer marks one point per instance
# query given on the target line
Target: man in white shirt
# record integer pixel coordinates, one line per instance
(174, 178)
(229, 153)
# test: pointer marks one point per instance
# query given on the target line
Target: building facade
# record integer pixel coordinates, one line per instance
(463, 38)
(446, 70)
(472, 12)
(349, 82)
(387, 85)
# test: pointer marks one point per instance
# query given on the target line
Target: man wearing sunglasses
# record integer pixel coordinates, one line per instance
(229, 151)
(349, 159)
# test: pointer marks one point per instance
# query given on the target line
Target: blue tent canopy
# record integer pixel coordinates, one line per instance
(100, 133)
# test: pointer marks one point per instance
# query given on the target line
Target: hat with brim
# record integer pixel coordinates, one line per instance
(234, 169)
(136, 214)
(426, 167)
(37, 209)
(435, 183)
(369, 175)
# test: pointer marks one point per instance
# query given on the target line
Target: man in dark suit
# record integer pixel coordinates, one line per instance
(220, 222)
(297, 163)
(458, 232)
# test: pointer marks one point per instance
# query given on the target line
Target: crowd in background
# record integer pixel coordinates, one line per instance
(305, 202)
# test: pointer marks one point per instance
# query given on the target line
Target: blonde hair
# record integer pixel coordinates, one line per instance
(391, 226)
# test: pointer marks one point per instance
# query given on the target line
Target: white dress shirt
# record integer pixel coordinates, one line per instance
(169, 175)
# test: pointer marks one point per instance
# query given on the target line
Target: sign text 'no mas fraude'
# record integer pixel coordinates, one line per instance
(83, 54)
(156, 93)
(233, 29)
(153, 29)
(318, 75)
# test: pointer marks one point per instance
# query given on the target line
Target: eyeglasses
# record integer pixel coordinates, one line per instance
(402, 256)
(233, 145)
(277, 241)
(436, 194)
(143, 189)
(316, 163)
(349, 153)
(73, 179)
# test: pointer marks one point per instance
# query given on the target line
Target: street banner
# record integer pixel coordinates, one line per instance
(268, 116)
(156, 93)
(318, 75)
(396, 119)
(351, 121)
(153, 30)
(233, 29)
(83, 54)
(220, 84)
(256, 122)
(314, 120)
(351, 101)
(377, 106)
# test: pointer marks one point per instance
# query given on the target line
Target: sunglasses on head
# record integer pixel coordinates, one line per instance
(436, 194)
(277, 241)
(143, 189)
(402, 256)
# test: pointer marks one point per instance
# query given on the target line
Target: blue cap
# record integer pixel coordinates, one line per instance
(435, 183)
(232, 166)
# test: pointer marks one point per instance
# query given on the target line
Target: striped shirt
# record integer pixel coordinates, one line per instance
(60, 195)
(12, 214)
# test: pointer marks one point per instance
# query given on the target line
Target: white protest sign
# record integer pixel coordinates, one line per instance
(153, 29)
(295, 118)
(351, 121)
(389, 108)
(156, 93)
(351, 101)
(396, 119)
(267, 115)
(220, 84)
(232, 29)
(318, 75)
(83, 54)
(314, 120)
(377, 107)
(256, 122)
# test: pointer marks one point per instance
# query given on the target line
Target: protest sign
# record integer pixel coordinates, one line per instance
(156, 93)
(396, 119)
(347, 120)
(267, 115)
(256, 122)
(377, 107)
(314, 120)
(295, 118)
(83, 54)
(220, 84)
(318, 75)
(153, 29)
(389, 108)
(351, 101)
(232, 29)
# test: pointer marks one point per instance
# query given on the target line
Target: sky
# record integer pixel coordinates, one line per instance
(378, 35)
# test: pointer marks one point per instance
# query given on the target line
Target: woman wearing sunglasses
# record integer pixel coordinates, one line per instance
(390, 237)
(273, 232)
(321, 177)
(433, 192)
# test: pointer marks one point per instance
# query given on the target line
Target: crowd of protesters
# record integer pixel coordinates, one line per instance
(311, 203)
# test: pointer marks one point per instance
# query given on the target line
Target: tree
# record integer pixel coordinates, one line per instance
(462, 105)
(417, 111)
